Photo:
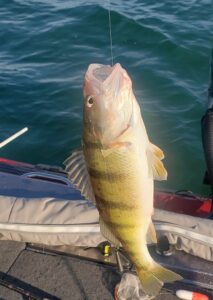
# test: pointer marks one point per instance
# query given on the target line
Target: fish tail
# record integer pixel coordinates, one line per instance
(152, 278)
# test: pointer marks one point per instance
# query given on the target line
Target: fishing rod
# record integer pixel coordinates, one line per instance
(207, 133)
(210, 90)
(13, 137)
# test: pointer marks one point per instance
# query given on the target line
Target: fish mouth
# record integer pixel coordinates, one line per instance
(103, 74)
(110, 86)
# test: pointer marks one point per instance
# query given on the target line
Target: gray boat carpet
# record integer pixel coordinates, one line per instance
(61, 277)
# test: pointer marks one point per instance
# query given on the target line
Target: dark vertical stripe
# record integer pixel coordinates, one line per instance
(91, 145)
(107, 176)
(114, 204)
(117, 225)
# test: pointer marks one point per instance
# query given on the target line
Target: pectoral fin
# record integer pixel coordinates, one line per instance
(76, 168)
(113, 146)
(156, 167)
(107, 233)
(157, 151)
(106, 152)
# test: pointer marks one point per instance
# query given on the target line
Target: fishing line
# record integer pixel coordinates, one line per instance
(110, 31)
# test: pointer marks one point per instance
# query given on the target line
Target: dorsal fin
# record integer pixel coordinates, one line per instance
(151, 234)
(156, 167)
(76, 168)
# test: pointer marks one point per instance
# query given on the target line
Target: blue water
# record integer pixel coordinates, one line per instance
(47, 45)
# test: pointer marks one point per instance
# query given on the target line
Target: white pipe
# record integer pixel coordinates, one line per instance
(13, 137)
(62, 228)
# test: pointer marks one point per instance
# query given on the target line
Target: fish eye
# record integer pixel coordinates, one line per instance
(90, 101)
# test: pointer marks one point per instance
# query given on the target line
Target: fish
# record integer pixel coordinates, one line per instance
(116, 168)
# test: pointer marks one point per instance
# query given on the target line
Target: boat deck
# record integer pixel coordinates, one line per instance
(50, 276)
(42, 275)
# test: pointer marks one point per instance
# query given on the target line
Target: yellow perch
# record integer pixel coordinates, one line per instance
(116, 169)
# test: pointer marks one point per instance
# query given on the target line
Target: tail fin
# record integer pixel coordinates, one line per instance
(153, 279)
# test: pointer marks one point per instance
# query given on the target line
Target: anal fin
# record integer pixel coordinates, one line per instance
(107, 233)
